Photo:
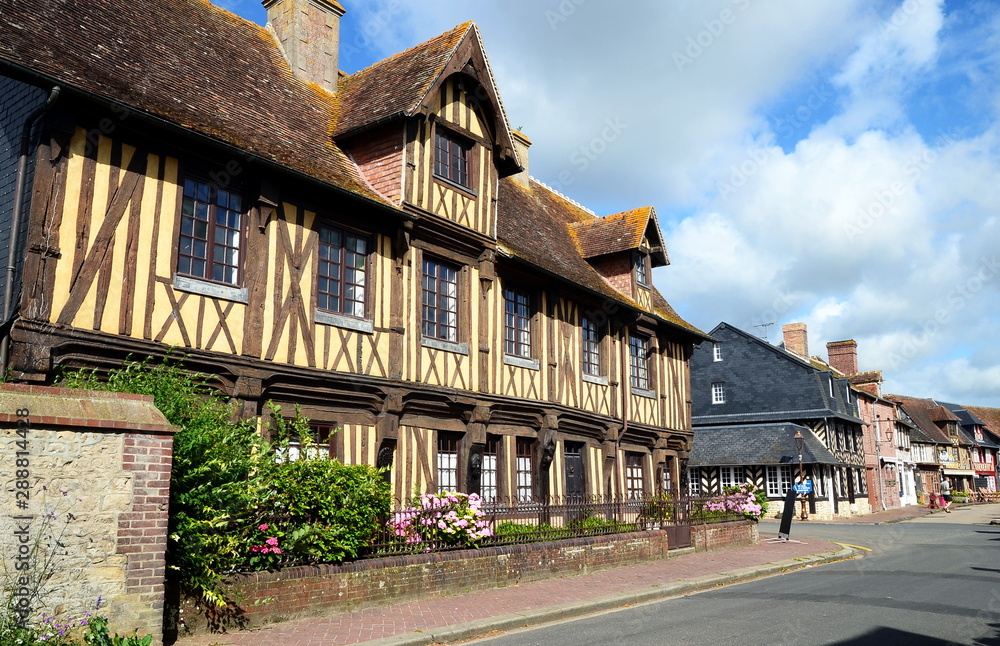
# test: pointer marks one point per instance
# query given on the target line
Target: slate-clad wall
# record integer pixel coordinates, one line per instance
(17, 101)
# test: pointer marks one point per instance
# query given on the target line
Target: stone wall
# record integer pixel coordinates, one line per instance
(86, 479)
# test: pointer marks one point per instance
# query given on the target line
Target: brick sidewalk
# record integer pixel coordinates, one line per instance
(462, 616)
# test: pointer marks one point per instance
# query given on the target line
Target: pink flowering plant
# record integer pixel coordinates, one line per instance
(441, 519)
(265, 550)
(746, 499)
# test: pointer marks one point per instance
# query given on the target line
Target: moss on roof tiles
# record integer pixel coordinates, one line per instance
(550, 244)
(188, 62)
(396, 84)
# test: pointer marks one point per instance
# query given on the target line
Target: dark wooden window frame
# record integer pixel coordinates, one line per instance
(340, 279)
(454, 157)
(641, 269)
(435, 329)
(592, 356)
(640, 368)
(199, 195)
(519, 308)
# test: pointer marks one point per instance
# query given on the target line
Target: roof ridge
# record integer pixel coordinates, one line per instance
(564, 197)
(464, 26)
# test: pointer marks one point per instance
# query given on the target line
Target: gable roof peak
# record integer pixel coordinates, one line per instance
(622, 231)
(405, 85)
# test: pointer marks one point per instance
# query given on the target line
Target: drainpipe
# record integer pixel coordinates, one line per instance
(15, 218)
(878, 461)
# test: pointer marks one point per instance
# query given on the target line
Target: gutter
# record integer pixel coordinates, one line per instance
(15, 224)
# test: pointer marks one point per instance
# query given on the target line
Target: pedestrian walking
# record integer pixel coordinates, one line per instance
(946, 493)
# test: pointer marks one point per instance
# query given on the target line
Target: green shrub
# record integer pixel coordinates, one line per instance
(228, 481)
(215, 476)
(326, 510)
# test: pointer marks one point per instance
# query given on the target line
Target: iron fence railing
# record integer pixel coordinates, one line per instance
(512, 521)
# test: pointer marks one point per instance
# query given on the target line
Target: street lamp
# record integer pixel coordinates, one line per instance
(799, 443)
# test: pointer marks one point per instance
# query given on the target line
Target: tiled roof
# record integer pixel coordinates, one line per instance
(615, 233)
(398, 84)
(534, 225)
(188, 62)
(989, 416)
(923, 412)
(211, 72)
(753, 444)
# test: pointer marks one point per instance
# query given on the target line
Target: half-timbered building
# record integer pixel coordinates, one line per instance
(369, 247)
(751, 398)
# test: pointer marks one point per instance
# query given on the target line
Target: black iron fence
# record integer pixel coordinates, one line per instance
(414, 528)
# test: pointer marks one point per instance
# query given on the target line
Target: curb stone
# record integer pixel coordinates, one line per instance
(577, 609)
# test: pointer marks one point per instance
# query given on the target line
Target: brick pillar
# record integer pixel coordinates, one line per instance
(142, 532)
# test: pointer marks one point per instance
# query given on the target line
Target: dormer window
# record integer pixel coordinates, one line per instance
(451, 157)
(642, 269)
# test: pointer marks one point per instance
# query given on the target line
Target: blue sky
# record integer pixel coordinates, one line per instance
(834, 162)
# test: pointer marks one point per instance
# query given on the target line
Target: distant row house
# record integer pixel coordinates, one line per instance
(862, 451)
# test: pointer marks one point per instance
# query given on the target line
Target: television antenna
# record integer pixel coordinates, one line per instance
(765, 326)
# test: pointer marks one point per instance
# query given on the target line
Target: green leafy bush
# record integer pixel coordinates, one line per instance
(325, 510)
(228, 482)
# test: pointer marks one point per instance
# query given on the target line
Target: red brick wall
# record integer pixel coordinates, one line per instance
(617, 270)
(379, 155)
(341, 588)
(705, 538)
(142, 532)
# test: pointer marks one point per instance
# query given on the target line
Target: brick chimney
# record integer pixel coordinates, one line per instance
(843, 356)
(521, 145)
(795, 338)
(309, 34)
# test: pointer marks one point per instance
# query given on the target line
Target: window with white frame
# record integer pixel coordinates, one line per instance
(522, 469)
(633, 475)
(488, 489)
(447, 461)
(717, 352)
(731, 476)
(779, 480)
(694, 481)
(642, 269)
(719, 392)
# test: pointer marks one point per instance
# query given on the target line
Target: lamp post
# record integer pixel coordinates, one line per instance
(799, 444)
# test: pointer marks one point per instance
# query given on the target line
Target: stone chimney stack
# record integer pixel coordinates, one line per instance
(795, 338)
(309, 34)
(521, 145)
(843, 356)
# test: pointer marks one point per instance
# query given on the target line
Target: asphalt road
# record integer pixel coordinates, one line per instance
(931, 581)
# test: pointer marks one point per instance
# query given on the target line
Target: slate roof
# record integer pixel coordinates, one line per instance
(534, 225)
(619, 232)
(187, 62)
(753, 444)
(764, 383)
